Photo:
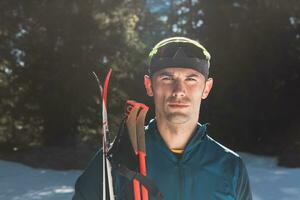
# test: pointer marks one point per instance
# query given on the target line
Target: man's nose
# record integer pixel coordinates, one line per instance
(179, 89)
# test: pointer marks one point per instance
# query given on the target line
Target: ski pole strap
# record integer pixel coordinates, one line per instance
(130, 175)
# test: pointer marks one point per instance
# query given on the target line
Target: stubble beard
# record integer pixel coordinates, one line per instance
(177, 117)
(182, 115)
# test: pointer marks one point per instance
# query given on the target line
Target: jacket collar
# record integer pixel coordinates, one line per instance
(194, 141)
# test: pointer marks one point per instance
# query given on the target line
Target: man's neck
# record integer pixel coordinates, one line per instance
(176, 136)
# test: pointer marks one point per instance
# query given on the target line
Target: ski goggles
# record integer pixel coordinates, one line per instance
(179, 54)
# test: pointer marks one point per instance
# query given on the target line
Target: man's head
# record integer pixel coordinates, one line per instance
(179, 52)
(178, 79)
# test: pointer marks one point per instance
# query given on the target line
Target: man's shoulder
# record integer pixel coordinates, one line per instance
(230, 166)
(150, 128)
(226, 163)
(151, 125)
(221, 150)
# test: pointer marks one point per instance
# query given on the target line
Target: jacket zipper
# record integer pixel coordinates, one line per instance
(181, 178)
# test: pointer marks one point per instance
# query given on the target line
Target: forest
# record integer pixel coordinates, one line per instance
(49, 49)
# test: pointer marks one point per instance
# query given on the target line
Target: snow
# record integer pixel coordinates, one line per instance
(20, 182)
(270, 182)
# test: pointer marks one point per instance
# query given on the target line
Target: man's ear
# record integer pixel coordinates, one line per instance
(208, 86)
(148, 85)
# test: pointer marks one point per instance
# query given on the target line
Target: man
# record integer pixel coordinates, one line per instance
(182, 160)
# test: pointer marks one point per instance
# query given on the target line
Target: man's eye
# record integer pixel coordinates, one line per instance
(167, 78)
(191, 79)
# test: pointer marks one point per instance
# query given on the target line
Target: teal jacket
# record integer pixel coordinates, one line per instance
(205, 171)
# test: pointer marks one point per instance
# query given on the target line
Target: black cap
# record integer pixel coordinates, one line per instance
(179, 52)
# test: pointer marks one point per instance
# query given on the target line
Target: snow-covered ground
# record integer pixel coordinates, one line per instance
(20, 182)
(270, 182)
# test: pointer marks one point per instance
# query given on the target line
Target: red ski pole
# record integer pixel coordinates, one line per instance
(142, 146)
(135, 124)
(132, 109)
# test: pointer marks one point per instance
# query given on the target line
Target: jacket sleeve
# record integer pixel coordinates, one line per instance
(89, 185)
(243, 190)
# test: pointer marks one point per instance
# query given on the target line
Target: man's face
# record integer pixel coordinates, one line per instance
(177, 93)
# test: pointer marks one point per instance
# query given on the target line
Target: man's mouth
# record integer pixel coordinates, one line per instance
(178, 105)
